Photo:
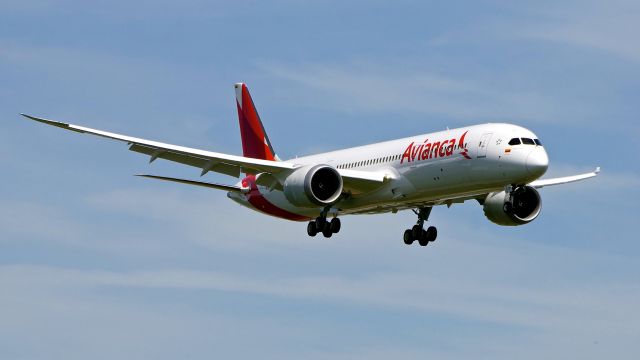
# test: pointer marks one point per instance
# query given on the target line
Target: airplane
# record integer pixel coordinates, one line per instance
(498, 165)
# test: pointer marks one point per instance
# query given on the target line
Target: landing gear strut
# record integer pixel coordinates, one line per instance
(321, 225)
(417, 232)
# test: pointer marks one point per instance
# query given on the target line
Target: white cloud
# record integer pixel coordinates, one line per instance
(479, 274)
(141, 10)
(38, 221)
(570, 307)
(610, 27)
(388, 87)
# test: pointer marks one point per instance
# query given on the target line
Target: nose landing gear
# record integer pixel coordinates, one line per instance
(417, 232)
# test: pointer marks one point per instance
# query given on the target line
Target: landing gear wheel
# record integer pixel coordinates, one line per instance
(416, 232)
(408, 237)
(311, 229)
(431, 234)
(327, 230)
(320, 224)
(423, 240)
(335, 225)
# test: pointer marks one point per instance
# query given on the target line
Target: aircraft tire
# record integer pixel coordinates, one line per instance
(311, 229)
(336, 225)
(431, 234)
(320, 224)
(327, 231)
(416, 232)
(423, 240)
(408, 237)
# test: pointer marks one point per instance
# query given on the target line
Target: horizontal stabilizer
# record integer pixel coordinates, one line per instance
(198, 183)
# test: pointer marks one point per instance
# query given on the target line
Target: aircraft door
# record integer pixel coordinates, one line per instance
(482, 146)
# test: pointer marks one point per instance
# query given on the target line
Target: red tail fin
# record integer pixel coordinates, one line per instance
(255, 142)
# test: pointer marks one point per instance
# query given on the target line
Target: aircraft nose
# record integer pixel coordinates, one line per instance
(537, 161)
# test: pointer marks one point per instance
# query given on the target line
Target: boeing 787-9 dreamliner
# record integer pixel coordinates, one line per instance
(497, 165)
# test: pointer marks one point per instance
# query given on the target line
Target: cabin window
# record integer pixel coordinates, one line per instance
(528, 141)
(514, 141)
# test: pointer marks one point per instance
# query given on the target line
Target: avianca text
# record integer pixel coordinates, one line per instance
(429, 150)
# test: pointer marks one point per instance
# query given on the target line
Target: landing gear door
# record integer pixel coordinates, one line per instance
(482, 146)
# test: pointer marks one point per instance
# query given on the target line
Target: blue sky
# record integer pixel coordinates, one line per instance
(95, 263)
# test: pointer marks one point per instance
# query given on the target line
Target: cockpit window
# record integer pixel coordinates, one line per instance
(528, 141)
(514, 141)
(537, 142)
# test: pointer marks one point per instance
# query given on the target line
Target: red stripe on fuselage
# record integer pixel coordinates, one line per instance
(259, 202)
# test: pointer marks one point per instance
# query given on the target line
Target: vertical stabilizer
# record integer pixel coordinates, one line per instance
(255, 142)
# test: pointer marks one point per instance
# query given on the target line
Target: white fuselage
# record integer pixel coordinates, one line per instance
(425, 170)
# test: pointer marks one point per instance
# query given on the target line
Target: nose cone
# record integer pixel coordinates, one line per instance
(537, 162)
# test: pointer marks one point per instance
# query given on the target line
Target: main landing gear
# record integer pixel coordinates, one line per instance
(417, 232)
(322, 225)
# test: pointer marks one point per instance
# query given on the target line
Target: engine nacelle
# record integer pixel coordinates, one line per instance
(313, 186)
(525, 208)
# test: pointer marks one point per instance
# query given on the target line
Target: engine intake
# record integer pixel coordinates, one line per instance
(312, 186)
(525, 208)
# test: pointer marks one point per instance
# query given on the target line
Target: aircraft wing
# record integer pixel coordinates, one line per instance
(359, 181)
(206, 160)
(564, 180)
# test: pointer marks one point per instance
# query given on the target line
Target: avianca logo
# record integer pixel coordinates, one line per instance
(430, 150)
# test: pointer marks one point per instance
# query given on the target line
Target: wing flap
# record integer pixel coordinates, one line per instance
(195, 161)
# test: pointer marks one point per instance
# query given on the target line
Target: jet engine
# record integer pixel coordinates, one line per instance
(313, 186)
(523, 208)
